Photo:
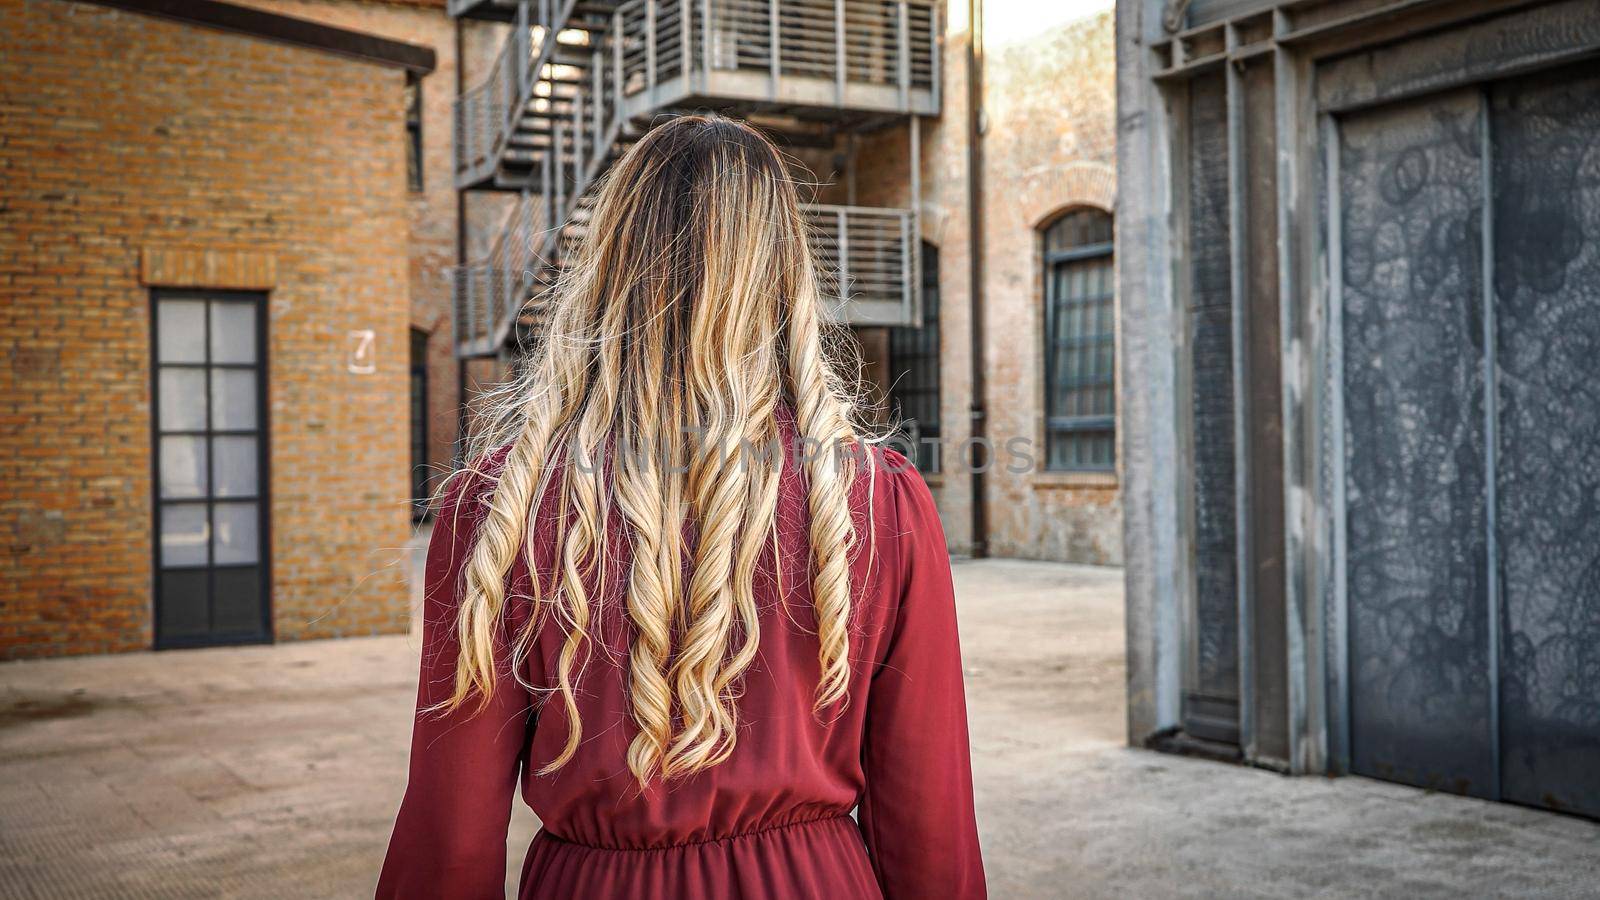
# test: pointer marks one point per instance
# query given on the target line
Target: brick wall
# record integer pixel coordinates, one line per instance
(882, 163)
(122, 133)
(1051, 105)
(432, 223)
(1049, 101)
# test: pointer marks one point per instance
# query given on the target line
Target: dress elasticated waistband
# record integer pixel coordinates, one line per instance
(762, 831)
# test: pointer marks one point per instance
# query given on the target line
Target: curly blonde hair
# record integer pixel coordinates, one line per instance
(690, 317)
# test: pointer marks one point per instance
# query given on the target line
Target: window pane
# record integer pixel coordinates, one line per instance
(182, 399)
(181, 331)
(1080, 346)
(233, 399)
(183, 467)
(233, 331)
(183, 534)
(233, 472)
(1057, 454)
(237, 539)
(913, 371)
(1079, 228)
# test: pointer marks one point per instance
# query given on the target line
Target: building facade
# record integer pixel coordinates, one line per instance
(212, 259)
(434, 230)
(913, 199)
(1027, 198)
(257, 254)
(1359, 314)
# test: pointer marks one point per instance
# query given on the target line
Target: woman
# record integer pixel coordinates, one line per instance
(694, 653)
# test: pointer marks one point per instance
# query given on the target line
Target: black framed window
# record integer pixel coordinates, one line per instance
(914, 371)
(1080, 349)
(210, 453)
(419, 422)
(414, 131)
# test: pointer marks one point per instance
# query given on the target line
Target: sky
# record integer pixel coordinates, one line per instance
(1011, 20)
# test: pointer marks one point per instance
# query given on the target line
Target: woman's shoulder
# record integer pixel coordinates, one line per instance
(465, 493)
(900, 494)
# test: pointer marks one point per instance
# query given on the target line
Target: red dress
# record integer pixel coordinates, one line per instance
(774, 820)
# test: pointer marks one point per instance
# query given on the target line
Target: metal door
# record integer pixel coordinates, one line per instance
(1468, 296)
(1546, 274)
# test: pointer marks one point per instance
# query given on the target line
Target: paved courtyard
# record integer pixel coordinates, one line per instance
(274, 772)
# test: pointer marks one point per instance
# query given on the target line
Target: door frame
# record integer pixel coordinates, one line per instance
(421, 506)
(258, 300)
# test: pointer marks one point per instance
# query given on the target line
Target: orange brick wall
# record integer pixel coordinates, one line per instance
(433, 220)
(119, 133)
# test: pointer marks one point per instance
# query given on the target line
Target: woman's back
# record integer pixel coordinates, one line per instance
(771, 821)
(697, 658)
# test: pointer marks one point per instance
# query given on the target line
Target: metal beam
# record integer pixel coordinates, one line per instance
(1147, 442)
(281, 29)
(1302, 289)
(1239, 315)
(913, 265)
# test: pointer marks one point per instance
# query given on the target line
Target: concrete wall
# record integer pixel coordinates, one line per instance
(247, 164)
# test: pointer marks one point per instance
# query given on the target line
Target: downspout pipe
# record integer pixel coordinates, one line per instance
(979, 459)
(461, 258)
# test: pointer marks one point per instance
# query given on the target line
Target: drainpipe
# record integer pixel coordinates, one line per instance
(461, 258)
(978, 411)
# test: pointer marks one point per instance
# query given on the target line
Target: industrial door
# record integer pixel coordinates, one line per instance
(1466, 247)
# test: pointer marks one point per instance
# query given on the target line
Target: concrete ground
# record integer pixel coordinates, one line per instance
(275, 771)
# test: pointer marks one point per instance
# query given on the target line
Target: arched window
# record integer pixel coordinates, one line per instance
(1079, 343)
(914, 371)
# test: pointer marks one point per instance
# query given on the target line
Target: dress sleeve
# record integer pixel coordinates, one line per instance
(916, 814)
(450, 836)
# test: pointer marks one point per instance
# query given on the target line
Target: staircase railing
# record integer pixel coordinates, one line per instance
(491, 293)
(819, 52)
(869, 42)
(486, 115)
(866, 257)
(642, 57)
(481, 113)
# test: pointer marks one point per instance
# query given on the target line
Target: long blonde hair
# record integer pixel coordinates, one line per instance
(689, 320)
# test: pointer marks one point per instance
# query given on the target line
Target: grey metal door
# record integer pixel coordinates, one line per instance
(1411, 203)
(1546, 272)
(1468, 280)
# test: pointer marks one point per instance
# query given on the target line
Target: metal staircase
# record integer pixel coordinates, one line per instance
(578, 81)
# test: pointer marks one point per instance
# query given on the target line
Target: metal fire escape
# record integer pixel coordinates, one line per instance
(578, 81)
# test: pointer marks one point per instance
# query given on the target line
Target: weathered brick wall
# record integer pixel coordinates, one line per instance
(882, 162)
(432, 225)
(122, 132)
(1050, 106)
